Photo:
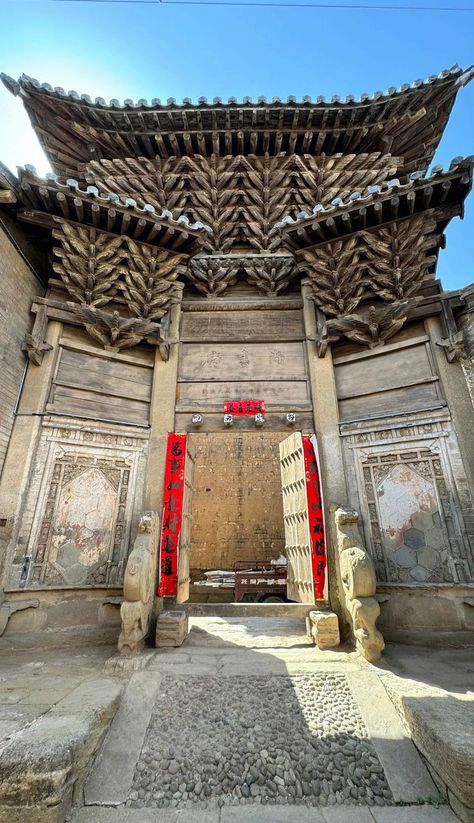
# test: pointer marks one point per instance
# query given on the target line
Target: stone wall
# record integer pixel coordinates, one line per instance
(18, 287)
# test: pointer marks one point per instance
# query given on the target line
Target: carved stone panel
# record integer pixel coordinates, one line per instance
(407, 475)
(407, 496)
(83, 524)
(84, 496)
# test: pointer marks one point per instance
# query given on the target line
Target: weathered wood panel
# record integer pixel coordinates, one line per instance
(232, 361)
(423, 396)
(105, 376)
(98, 407)
(242, 325)
(277, 394)
(102, 385)
(237, 502)
(399, 377)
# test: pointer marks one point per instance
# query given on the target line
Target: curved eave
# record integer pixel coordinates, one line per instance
(443, 193)
(44, 201)
(408, 121)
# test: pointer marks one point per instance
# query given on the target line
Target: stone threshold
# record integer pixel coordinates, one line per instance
(257, 813)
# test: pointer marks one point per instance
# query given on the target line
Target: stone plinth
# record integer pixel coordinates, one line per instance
(171, 629)
(323, 628)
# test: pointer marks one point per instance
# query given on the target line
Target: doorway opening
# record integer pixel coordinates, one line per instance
(237, 511)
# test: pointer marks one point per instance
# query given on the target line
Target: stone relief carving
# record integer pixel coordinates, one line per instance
(411, 518)
(139, 585)
(82, 527)
(356, 576)
(417, 505)
(75, 525)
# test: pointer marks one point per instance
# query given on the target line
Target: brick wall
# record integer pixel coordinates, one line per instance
(18, 286)
(236, 505)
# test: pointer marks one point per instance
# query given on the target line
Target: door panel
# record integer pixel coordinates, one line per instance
(186, 524)
(298, 543)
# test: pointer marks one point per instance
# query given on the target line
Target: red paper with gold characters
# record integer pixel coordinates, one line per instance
(316, 519)
(172, 515)
(244, 408)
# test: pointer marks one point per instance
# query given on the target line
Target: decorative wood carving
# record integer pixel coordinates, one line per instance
(100, 270)
(35, 344)
(397, 257)
(241, 198)
(337, 276)
(89, 263)
(212, 275)
(391, 263)
(372, 329)
(270, 273)
(453, 347)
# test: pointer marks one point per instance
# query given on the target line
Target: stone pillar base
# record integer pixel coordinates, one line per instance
(323, 629)
(171, 629)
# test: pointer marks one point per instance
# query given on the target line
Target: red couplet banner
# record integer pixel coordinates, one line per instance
(172, 515)
(316, 520)
(243, 408)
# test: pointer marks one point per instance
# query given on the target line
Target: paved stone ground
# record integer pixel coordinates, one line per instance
(257, 739)
(231, 656)
(32, 682)
(248, 722)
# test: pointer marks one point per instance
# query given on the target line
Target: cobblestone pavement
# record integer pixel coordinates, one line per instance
(257, 739)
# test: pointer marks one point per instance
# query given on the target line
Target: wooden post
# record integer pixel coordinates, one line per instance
(326, 427)
(162, 411)
(22, 447)
(453, 381)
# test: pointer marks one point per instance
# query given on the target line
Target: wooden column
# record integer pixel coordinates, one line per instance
(326, 427)
(453, 381)
(162, 412)
(22, 447)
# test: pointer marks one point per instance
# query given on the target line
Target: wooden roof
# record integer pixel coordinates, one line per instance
(44, 200)
(440, 195)
(74, 129)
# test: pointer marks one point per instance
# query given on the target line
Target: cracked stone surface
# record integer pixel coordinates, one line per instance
(257, 739)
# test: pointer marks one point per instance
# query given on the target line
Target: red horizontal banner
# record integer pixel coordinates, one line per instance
(172, 515)
(241, 408)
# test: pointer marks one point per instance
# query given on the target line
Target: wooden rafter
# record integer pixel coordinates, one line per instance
(408, 121)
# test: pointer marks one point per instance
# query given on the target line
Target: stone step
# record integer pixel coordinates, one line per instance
(269, 814)
(249, 609)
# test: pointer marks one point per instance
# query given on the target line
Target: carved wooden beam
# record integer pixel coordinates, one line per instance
(35, 343)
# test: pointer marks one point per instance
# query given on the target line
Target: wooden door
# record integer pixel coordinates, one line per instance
(184, 550)
(298, 542)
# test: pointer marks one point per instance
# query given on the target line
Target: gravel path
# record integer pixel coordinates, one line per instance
(257, 739)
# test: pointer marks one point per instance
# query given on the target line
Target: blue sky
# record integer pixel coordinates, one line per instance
(141, 50)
